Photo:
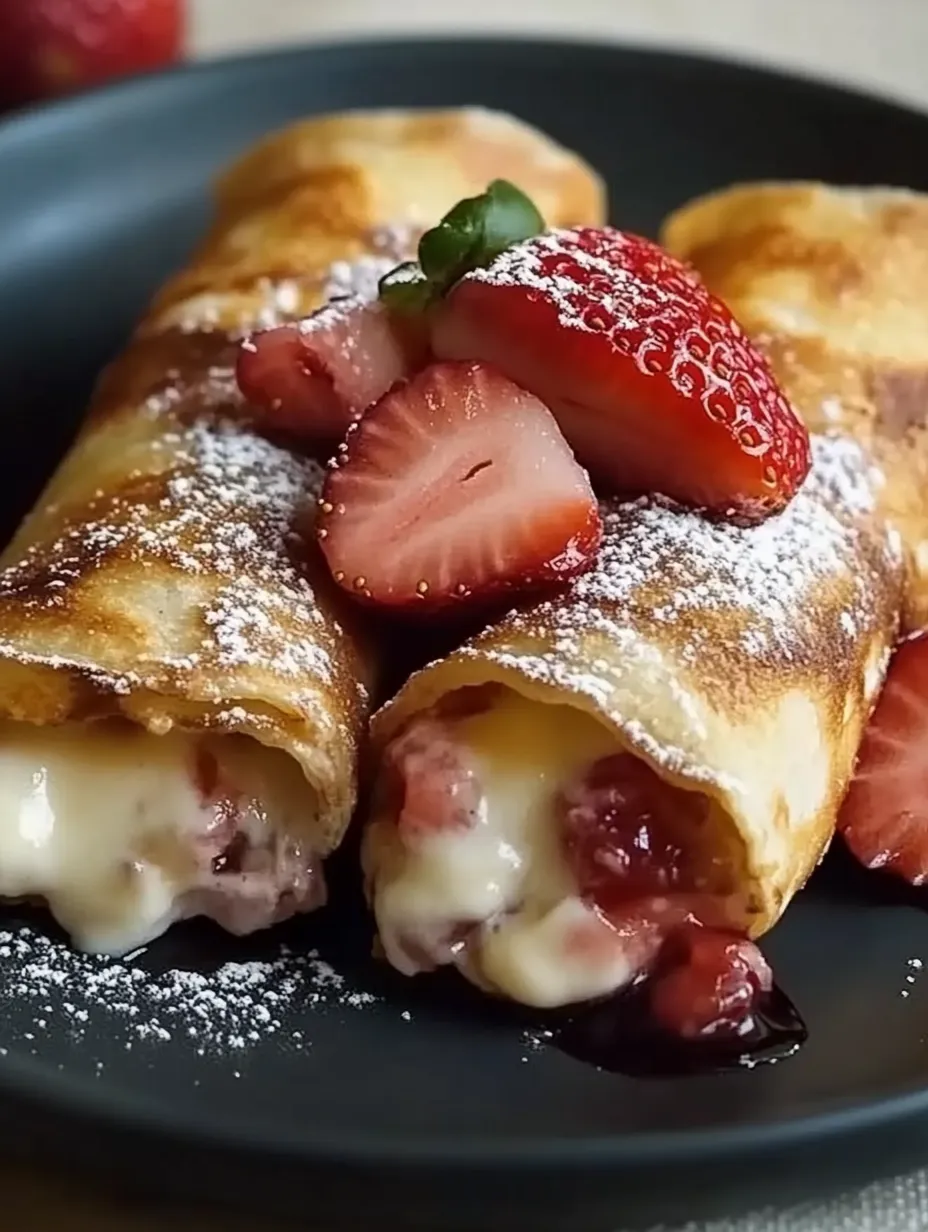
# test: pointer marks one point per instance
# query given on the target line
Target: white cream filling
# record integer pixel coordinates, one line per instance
(103, 821)
(541, 944)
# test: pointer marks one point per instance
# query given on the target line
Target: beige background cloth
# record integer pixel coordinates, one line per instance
(882, 46)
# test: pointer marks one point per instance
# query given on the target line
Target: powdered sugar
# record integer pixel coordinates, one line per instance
(567, 274)
(360, 278)
(216, 388)
(233, 1007)
(268, 302)
(350, 279)
(228, 511)
(535, 1040)
(281, 300)
(712, 594)
(763, 573)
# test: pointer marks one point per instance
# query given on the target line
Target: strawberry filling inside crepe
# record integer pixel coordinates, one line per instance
(123, 831)
(517, 841)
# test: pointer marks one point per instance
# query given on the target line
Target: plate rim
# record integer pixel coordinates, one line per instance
(28, 1079)
(36, 116)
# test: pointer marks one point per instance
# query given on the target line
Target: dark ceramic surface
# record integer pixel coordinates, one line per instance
(447, 1119)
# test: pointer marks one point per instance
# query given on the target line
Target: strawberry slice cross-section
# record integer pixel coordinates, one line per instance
(454, 488)
(653, 382)
(884, 817)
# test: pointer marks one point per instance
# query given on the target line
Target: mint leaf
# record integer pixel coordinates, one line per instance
(508, 217)
(471, 235)
(406, 289)
(449, 247)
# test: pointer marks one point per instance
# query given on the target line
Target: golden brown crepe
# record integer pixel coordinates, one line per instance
(833, 284)
(166, 576)
(738, 664)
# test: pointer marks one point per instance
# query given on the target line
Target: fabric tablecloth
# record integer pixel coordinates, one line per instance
(877, 46)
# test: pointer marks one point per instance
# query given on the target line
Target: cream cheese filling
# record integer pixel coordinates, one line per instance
(109, 824)
(499, 899)
(540, 944)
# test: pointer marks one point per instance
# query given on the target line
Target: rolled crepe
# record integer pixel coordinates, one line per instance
(182, 696)
(833, 284)
(731, 668)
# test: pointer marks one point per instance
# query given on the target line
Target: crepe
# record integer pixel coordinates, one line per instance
(183, 696)
(833, 285)
(738, 665)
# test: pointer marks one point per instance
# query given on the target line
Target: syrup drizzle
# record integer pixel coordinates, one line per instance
(620, 1035)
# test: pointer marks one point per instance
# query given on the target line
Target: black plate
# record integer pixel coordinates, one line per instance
(416, 1100)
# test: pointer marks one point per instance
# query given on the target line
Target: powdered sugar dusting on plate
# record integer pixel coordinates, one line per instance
(536, 1040)
(234, 1007)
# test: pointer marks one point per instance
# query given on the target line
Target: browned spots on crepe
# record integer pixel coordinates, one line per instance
(900, 400)
(744, 615)
(311, 195)
(738, 662)
(162, 371)
(828, 392)
(166, 574)
(310, 224)
(833, 282)
(447, 155)
(776, 248)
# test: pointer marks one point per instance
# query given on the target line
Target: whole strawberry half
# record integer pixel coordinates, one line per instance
(652, 381)
(884, 817)
(51, 47)
(453, 488)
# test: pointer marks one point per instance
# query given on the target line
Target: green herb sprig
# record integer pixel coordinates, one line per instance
(471, 235)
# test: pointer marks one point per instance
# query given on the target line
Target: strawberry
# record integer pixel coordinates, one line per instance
(206, 772)
(313, 378)
(624, 830)
(439, 788)
(453, 488)
(651, 379)
(884, 817)
(50, 47)
(713, 987)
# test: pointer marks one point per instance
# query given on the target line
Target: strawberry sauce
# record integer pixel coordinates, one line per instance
(626, 834)
(620, 1035)
(637, 849)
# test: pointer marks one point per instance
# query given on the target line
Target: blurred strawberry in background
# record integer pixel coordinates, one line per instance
(53, 47)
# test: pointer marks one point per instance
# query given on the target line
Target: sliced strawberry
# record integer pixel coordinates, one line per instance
(438, 782)
(652, 380)
(884, 818)
(313, 378)
(713, 985)
(455, 487)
